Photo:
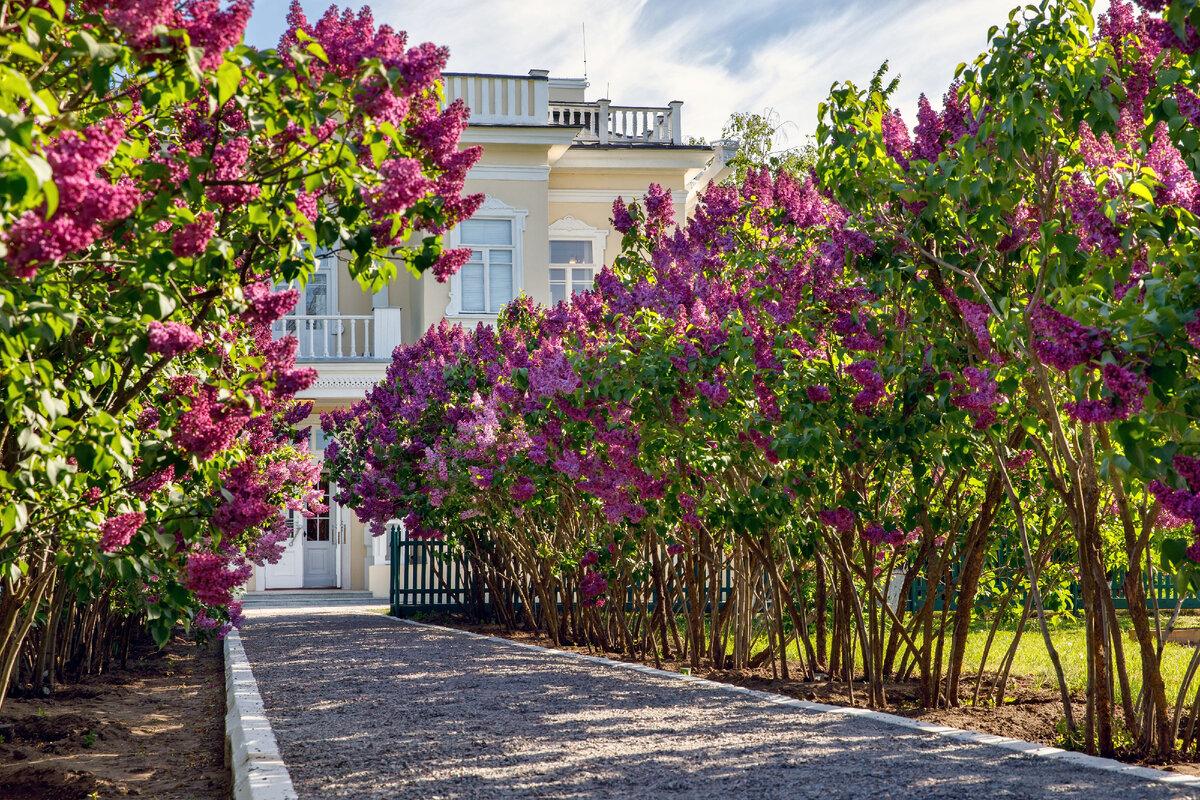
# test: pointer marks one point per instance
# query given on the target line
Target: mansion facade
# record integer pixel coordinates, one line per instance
(552, 164)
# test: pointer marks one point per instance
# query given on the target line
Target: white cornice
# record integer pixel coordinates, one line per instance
(518, 134)
(343, 380)
(598, 195)
(508, 172)
(630, 158)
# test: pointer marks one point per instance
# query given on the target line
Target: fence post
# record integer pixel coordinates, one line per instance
(393, 569)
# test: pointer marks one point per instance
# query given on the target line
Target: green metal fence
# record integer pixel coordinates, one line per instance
(427, 578)
(1163, 589)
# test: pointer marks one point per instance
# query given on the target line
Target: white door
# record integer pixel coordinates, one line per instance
(320, 560)
(288, 571)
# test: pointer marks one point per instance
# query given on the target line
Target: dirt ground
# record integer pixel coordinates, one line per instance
(1032, 711)
(154, 730)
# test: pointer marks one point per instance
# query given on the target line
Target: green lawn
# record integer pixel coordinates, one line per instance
(1032, 664)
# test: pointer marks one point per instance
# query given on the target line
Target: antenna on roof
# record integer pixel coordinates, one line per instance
(583, 26)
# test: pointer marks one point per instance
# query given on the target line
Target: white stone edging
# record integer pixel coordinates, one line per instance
(958, 734)
(250, 747)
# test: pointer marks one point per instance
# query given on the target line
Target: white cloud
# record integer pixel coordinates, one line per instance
(648, 52)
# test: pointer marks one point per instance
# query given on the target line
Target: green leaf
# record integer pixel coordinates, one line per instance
(50, 189)
(1173, 553)
(17, 47)
(1139, 189)
(229, 77)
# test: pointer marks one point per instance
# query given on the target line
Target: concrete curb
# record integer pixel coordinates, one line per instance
(1016, 745)
(250, 747)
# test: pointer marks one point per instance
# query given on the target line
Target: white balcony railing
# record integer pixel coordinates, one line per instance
(525, 100)
(342, 337)
(500, 99)
(604, 123)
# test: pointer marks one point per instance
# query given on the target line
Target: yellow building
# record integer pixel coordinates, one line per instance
(552, 165)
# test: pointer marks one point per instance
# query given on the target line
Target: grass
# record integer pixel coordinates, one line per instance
(1031, 664)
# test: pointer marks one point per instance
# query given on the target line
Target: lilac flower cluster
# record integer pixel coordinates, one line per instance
(193, 237)
(1062, 342)
(864, 374)
(1126, 389)
(878, 536)
(593, 586)
(172, 338)
(840, 519)
(88, 200)
(982, 399)
(214, 576)
(117, 531)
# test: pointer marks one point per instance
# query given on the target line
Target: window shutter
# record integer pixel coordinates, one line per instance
(472, 284)
(500, 279)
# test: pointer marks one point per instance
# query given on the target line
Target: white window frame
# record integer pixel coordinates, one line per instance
(570, 229)
(492, 208)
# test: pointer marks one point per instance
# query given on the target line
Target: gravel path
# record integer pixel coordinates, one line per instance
(364, 707)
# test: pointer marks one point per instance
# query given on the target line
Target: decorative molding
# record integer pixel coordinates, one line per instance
(344, 380)
(493, 206)
(569, 225)
(508, 172)
(344, 383)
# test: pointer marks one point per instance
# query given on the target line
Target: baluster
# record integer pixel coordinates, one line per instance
(368, 340)
(624, 124)
(308, 329)
(353, 347)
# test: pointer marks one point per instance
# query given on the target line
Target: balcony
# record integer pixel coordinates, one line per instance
(536, 100)
(603, 123)
(343, 337)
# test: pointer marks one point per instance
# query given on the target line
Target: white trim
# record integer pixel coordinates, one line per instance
(492, 208)
(596, 195)
(259, 772)
(663, 157)
(517, 134)
(345, 380)
(508, 172)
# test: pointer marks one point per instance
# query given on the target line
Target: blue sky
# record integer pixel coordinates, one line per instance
(717, 57)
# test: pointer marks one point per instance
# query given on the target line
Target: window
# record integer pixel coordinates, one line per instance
(494, 274)
(577, 272)
(576, 255)
(487, 279)
(317, 528)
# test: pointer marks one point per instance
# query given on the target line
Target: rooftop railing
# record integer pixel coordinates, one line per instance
(603, 123)
(525, 100)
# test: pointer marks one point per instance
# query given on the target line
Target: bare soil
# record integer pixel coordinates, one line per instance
(1032, 709)
(152, 730)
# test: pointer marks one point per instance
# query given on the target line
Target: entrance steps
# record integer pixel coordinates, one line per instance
(310, 598)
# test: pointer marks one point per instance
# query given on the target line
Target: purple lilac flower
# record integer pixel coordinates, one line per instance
(172, 338)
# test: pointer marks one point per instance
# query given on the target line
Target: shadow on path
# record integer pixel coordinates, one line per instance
(364, 707)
